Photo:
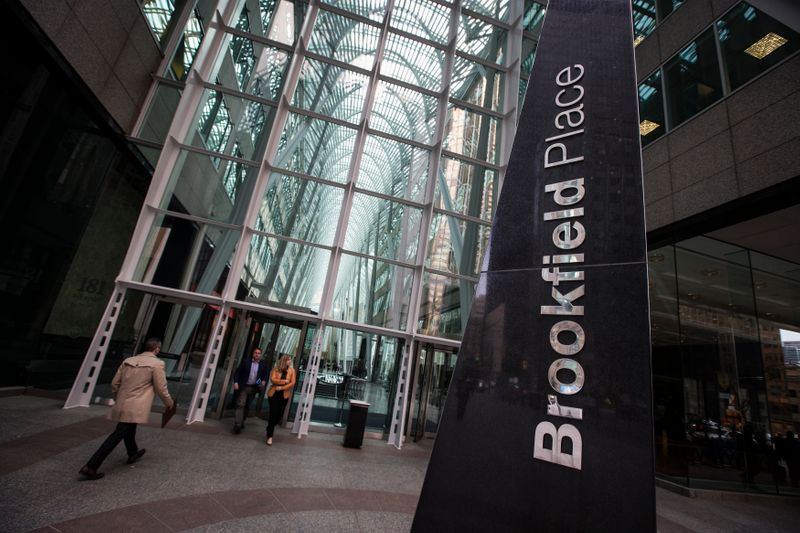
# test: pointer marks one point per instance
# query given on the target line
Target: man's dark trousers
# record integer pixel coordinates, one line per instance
(243, 400)
(126, 432)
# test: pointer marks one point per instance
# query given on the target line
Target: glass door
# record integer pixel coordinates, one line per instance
(435, 367)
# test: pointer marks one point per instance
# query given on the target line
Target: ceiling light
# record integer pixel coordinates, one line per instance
(657, 258)
(646, 127)
(638, 40)
(766, 45)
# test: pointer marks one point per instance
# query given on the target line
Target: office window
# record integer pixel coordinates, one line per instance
(665, 7)
(692, 79)
(752, 42)
(644, 18)
(651, 109)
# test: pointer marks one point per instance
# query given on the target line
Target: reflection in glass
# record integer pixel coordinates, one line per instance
(278, 20)
(692, 79)
(301, 209)
(254, 68)
(477, 84)
(331, 90)
(371, 9)
(752, 42)
(644, 18)
(466, 188)
(284, 273)
(471, 134)
(456, 245)
(369, 291)
(393, 168)
(159, 115)
(445, 304)
(186, 255)
(496, 9)
(651, 109)
(210, 187)
(187, 48)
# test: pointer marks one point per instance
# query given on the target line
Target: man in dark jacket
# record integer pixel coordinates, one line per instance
(249, 379)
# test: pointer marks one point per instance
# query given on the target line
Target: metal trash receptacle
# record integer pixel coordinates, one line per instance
(356, 424)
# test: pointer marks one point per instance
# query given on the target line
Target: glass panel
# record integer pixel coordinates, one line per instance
(413, 62)
(692, 79)
(344, 39)
(403, 112)
(316, 147)
(160, 15)
(254, 68)
(231, 125)
(187, 48)
(210, 187)
(724, 394)
(534, 17)
(371, 9)
(394, 168)
(370, 291)
(456, 245)
(651, 109)
(444, 308)
(356, 365)
(422, 18)
(302, 209)
(330, 90)
(528, 55)
(481, 39)
(284, 273)
(466, 189)
(383, 228)
(472, 134)
(644, 19)
(279, 20)
(665, 7)
(752, 42)
(496, 9)
(477, 84)
(187, 255)
(159, 116)
(668, 399)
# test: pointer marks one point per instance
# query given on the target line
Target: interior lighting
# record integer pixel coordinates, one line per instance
(766, 45)
(638, 40)
(646, 127)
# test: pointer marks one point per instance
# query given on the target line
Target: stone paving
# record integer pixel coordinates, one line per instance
(201, 477)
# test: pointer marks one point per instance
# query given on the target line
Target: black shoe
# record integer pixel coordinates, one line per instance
(135, 457)
(237, 429)
(90, 473)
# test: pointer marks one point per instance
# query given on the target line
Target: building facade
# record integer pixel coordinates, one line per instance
(318, 178)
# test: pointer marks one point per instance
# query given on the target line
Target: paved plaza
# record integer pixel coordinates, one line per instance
(201, 477)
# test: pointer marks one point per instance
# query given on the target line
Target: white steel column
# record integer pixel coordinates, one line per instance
(303, 416)
(84, 384)
(83, 387)
(197, 407)
(397, 434)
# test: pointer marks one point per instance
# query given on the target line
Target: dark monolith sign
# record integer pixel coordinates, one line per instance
(548, 424)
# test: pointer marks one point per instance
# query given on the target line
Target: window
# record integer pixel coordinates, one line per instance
(752, 42)
(692, 79)
(651, 109)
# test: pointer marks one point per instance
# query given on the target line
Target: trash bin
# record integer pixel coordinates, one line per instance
(356, 423)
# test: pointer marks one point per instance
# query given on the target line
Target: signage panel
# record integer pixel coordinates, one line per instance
(547, 425)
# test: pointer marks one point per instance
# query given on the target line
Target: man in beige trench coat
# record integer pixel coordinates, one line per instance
(134, 386)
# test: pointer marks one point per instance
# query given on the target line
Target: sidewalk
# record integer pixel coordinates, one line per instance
(204, 478)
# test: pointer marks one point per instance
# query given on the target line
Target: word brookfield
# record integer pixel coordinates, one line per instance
(560, 270)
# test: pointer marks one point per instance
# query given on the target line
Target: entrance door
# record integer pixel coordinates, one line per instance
(274, 336)
(435, 367)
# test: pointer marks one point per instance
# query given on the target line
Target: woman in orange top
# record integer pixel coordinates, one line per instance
(283, 378)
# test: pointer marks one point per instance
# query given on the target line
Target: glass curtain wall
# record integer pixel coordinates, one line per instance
(725, 330)
(339, 161)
